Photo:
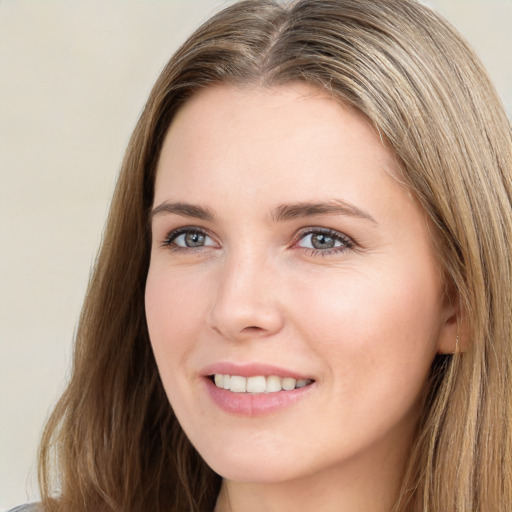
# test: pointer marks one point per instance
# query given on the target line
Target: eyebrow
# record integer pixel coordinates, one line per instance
(281, 213)
(182, 209)
(336, 207)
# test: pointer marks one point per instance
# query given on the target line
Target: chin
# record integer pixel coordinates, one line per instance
(263, 464)
(253, 471)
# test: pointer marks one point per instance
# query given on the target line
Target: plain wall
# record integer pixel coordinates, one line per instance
(74, 76)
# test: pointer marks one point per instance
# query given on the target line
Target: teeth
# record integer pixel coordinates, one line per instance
(237, 384)
(258, 384)
(288, 383)
(273, 384)
(219, 380)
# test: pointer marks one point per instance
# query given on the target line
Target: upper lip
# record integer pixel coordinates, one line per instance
(252, 370)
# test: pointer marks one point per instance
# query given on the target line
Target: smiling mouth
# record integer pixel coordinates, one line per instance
(258, 384)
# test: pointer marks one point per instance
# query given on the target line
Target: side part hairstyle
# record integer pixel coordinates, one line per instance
(113, 442)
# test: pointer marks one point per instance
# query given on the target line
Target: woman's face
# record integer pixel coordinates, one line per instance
(290, 262)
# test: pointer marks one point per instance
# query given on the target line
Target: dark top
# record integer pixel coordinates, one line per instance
(29, 507)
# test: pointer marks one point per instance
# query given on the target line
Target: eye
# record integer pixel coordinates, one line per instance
(188, 238)
(325, 241)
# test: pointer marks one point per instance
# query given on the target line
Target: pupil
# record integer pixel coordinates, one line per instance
(321, 241)
(194, 239)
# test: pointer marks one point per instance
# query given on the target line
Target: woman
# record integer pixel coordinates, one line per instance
(303, 295)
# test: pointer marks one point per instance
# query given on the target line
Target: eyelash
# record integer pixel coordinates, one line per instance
(346, 242)
(175, 233)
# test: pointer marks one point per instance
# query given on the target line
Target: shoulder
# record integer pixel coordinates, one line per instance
(29, 507)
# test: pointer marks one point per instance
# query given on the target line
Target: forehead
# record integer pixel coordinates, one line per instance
(261, 108)
(279, 133)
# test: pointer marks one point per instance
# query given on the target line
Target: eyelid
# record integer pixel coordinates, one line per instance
(348, 242)
(175, 233)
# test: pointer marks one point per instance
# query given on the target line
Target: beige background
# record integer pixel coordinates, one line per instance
(74, 76)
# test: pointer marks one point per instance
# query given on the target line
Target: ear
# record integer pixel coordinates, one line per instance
(454, 332)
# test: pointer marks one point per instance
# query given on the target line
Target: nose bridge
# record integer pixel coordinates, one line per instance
(246, 301)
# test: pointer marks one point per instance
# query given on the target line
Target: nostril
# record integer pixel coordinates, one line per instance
(251, 328)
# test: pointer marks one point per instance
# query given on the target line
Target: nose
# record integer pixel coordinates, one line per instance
(246, 302)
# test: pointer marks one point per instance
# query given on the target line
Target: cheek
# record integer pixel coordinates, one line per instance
(175, 317)
(377, 330)
(173, 313)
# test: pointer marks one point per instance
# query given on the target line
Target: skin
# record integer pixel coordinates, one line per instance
(363, 319)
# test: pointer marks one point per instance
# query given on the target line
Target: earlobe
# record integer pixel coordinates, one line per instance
(454, 336)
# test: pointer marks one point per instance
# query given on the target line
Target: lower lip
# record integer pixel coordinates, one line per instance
(248, 404)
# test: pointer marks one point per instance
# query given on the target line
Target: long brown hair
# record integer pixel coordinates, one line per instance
(113, 442)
